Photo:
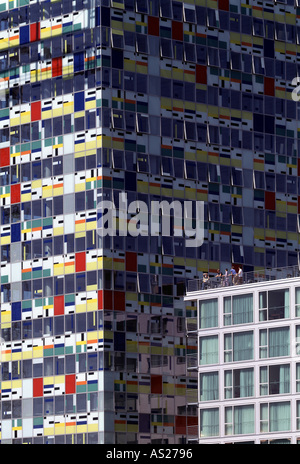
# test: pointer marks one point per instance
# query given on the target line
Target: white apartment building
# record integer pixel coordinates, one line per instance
(248, 361)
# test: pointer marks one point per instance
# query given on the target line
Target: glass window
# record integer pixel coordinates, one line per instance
(166, 9)
(144, 283)
(275, 379)
(258, 27)
(280, 31)
(274, 342)
(141, 43)
(166, 127)
(297, 302)
(167, 166)
(274, 305)
(239, 383)
(297, 372)
(189, 130)
(208, 313)
(235, 22)
(118, 119)
(298, 416)
(143, 162)
(190, 170)
(208, 350)
(130, 121)
(209, 386)
(275, 417)
(166, 50)
(238, 346)
(143, 123)
(209, 422)
(238, 309)
(141, 6)
(239, 420)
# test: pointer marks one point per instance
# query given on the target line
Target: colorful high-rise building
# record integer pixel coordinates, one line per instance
(163, 100)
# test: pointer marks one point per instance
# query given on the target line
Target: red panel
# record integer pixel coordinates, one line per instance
(131, 261)
(4, 156)
(80, 262)
(34, 32)
(36, 111)
(180, 425)
(224, 5)
(156, 384)
(177, 30)
(192, 423)
(100, 299)
(15, 193)
(192, 420)
(119, 301)
(108, 299)
(269, 86)
(153, 25)
(201, 74)
(38, 387)
(270, 200)
(70, 384)
(59, 305)
(56, 67)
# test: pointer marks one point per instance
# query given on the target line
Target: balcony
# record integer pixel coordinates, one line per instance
(262, 275)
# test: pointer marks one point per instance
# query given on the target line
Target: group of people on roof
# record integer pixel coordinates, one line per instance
(231, 277)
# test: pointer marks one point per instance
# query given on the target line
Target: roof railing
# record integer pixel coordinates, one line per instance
(261, 275)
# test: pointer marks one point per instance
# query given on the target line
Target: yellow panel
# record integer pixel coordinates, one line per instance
(5, 241)
(47, 114)
(49, 431)
(14, 121)
(90, 105)
(58, 230)
(80, 308)
(58, 269)
(5, 315)
(57, 112)
(90, 145)
(70, 269)
(60, 429)
(59, 379)
(58, 191)
(92, 305)
(37, 351)
(45, 32)
(70, 429)
(47, 191)
(93, 427)
(4, 44)
(68, 107)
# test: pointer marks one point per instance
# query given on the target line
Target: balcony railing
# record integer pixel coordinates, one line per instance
(262, 275)
(192, 361)
(191, 324)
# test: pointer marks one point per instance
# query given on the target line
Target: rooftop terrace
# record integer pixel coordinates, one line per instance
(261, 275)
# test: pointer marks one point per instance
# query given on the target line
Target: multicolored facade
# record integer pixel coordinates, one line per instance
(163, 100)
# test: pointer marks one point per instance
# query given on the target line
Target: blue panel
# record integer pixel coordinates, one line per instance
(16, 311)
(24, 35)
(79, 101)
(78, 61)
(97, 15)
(16, 233)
